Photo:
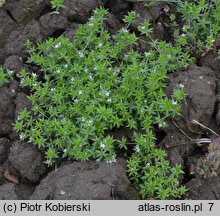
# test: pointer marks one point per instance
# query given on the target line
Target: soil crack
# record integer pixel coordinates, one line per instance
(11, 16)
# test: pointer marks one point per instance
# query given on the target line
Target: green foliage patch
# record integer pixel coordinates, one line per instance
(97, 83)
(5, 76)
(57, 4)
(201, 27)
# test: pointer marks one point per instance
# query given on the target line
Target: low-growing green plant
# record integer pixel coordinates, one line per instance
(97, 83)
(201, 24)
(57, 4)
(151, 173)
(5, 76)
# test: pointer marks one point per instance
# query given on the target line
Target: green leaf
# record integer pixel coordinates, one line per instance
(130, 18)
(57, 4)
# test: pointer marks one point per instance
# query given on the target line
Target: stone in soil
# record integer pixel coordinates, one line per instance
(118, 6)
(16, 40)
(210, 60)
(174, 138)
(8, 192)
(2, 180)
(204, 189)
(14, 87)
(146, 13)
(52, 23)
(86, 180)
(22, 102)
(112, 24)
(4, 149)
(14, 63)
(199, 104)
(80, 10)
(7, 25)
(23, 11)
(6, 110)
(70, 32)
(27, 160)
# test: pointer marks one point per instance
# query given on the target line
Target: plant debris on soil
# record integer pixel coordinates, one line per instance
(23, 173)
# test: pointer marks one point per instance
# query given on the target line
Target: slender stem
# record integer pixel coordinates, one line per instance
(181, 130)
(194, 141)
(203, 126)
